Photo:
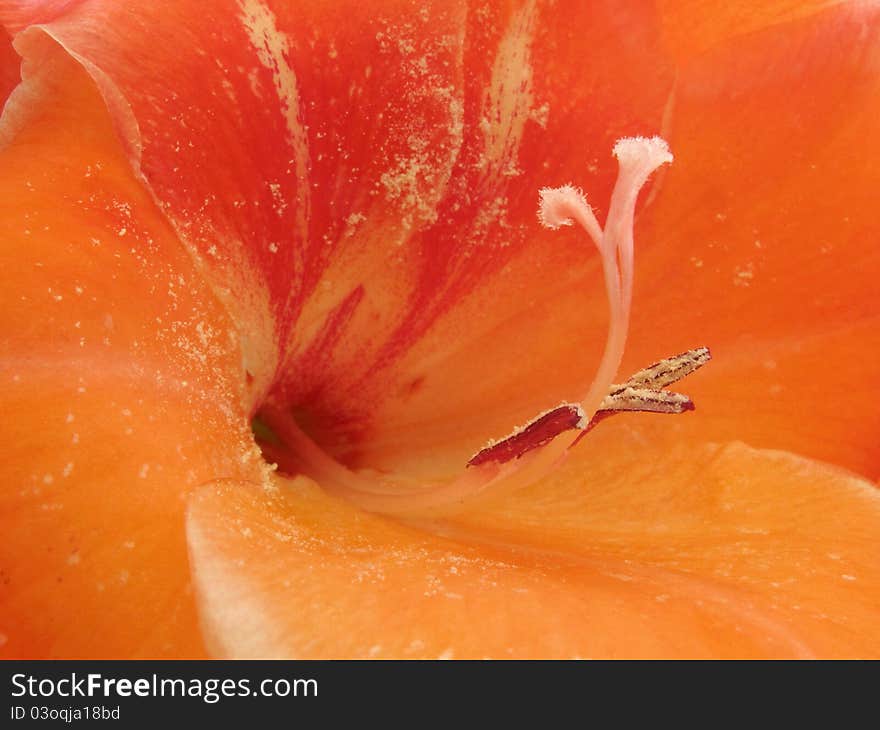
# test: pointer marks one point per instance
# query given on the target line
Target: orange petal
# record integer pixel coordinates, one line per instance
(806, 394)
(719, 552)
(693, 26)
(211, 121)
(470, 293)
(790, 539)
(373, 191)
(769, 566)
(119, 387)
(762, 240)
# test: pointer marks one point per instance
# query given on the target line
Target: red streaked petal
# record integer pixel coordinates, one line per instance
(120, 386)
(382, 398)
(485, 265)
(722, 551)
(715, 563)
(9, 67)
(212, 121)
(411, 176)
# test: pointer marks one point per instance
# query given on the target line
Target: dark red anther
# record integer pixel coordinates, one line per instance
(537, 433)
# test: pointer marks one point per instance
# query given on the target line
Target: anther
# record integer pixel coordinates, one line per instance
(667, 371)
(637, 158)
(643, 391)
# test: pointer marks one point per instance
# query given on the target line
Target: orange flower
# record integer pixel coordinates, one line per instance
(322, 215)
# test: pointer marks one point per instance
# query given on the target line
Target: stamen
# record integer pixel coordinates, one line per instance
(527, 454)
(638, 157)
(648, 400)
(541, 430)
(667, 371)
(641, 392)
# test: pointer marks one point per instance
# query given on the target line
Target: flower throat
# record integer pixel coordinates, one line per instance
(537, 447)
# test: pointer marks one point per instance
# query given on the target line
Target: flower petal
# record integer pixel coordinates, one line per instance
(380, 393)
(806, 394)
(399, 172)
(693, 26)
(763, 241)
(120, 386)
(479, 311)
(9, 67)
(212, 122)
(718, 551)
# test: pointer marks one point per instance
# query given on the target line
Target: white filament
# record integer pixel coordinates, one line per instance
(637, 158)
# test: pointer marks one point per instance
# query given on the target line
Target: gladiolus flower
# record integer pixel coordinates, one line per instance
(273, 280)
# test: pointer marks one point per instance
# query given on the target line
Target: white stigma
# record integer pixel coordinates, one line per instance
(650, 152)
(637, 158)
(556, 205)
(565, 206)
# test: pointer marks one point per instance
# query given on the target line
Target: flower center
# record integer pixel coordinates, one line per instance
(535, 448)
